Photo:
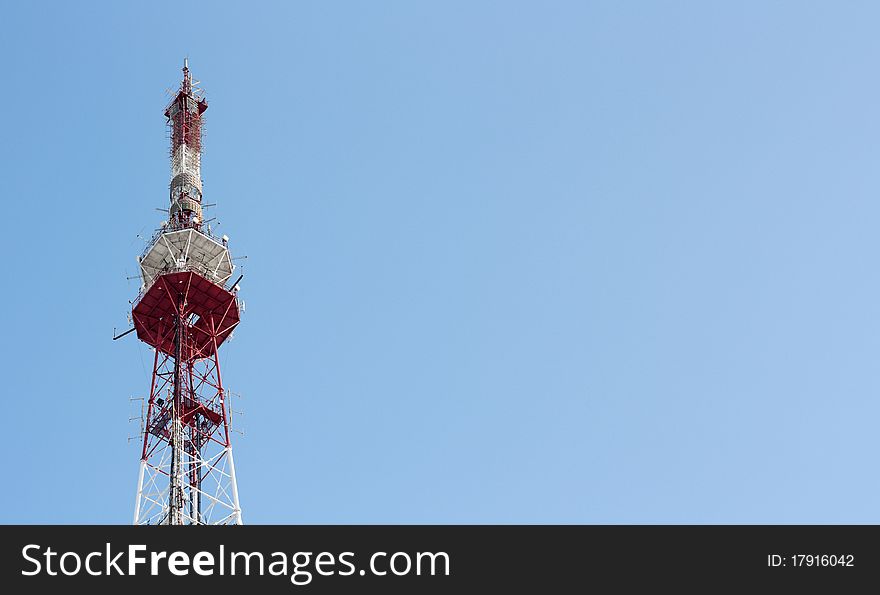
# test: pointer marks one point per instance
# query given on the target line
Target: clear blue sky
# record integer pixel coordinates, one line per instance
(507, 262)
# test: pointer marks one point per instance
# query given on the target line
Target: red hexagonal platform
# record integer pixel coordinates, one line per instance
(211, 310)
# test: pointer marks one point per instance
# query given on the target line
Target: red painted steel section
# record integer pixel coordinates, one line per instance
(211, 310)
(185, 114)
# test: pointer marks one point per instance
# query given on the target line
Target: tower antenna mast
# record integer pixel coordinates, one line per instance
(185, 310)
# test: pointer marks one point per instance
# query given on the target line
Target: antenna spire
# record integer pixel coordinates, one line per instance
(184, 116)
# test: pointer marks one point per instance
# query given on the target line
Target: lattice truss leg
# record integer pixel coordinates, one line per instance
(187, 473)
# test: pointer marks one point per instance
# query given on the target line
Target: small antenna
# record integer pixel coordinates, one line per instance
(140, 418)
(119, 336)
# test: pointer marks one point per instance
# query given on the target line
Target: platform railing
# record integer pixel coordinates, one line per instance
(185, 268)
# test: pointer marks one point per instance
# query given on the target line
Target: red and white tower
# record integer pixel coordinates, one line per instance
(185, 310)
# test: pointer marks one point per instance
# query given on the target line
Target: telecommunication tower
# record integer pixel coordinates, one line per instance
(185, 310)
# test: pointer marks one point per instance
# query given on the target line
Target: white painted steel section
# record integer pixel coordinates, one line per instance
(186, 160)
(140, 490)
(187, 249)
(219, 488)
(237, 511)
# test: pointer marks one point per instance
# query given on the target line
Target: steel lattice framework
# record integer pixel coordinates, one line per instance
(185, 310)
